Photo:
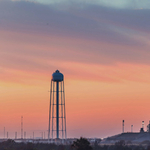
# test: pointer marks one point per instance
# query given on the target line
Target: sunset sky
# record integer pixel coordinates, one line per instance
(101, 46)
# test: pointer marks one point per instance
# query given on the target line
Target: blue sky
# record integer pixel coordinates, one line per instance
(133, 4)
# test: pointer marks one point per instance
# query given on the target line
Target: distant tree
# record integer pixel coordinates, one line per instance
(128, 142)
(139, 148)
(61, 147)
(120, 143)
(81, 144)
(30, 146)
(96, 146)
(148, 148)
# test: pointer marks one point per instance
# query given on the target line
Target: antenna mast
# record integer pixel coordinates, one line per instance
(21, 127)
(122, 126)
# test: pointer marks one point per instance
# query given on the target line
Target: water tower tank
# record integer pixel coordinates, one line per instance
(57, 76)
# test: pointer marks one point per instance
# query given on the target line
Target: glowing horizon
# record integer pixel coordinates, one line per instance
(103, 52)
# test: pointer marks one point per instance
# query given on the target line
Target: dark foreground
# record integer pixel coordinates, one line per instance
(80, 144)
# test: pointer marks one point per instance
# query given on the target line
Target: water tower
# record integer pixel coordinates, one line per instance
(57, 112)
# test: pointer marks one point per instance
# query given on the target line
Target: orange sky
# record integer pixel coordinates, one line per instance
(98, 96)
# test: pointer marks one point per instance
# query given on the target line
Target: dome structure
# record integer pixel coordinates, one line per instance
(57, 76)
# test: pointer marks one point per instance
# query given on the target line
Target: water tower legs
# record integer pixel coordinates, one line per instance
(57, 112)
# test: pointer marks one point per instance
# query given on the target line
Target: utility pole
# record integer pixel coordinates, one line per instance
(4, 132)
